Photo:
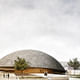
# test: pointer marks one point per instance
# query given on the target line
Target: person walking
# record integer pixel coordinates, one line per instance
(3, 75)
(8, 75)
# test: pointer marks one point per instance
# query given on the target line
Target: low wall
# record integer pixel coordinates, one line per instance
(64, 77)
(55, 78)
(60, 78)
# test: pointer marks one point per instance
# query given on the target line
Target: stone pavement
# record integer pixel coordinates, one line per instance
(12, 77)
(8, 79)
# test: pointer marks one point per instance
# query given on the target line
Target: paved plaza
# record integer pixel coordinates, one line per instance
(14, 77)
(11, 76)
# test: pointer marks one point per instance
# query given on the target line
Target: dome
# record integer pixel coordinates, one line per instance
(35, 58)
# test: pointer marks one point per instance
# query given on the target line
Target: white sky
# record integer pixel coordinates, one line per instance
(51, 26)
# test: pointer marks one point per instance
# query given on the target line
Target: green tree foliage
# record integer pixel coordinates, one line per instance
(74, 63)
(21, 64)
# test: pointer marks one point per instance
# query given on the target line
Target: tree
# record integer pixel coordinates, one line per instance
(21, 64)
(74, 63)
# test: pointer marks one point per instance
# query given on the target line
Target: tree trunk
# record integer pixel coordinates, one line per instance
(74, 71)
(22, 73)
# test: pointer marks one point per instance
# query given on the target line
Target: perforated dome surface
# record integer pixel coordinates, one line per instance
(35, 58)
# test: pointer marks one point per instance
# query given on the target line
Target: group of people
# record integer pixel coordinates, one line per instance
(6, 75)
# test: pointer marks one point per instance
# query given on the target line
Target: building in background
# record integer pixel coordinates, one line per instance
(69, 69)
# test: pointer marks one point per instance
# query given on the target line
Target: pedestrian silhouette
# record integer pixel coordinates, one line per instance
(8, 75)
(45, 73)
(3, 75)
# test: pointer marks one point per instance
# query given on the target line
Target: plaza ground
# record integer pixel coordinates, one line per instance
(14, 77)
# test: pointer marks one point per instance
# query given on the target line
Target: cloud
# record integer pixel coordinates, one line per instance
(48, 25)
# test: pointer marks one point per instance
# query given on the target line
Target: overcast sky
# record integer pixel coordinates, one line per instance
(51, 26)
